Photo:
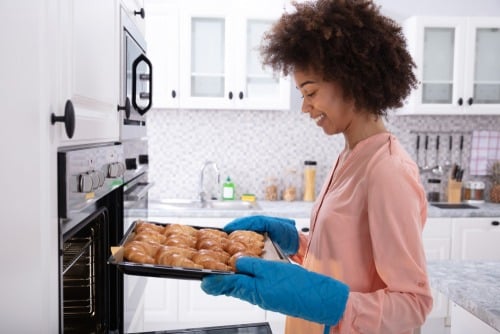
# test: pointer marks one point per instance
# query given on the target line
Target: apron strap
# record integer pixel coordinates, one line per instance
(327, 329)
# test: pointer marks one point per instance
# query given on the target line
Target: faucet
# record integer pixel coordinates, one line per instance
(202, 193)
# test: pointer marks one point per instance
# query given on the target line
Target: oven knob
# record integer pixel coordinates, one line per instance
(85, 183)
(113, 170)
(102, 178)
(95, 180)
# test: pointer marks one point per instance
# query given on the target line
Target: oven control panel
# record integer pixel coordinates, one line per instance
(86, 174)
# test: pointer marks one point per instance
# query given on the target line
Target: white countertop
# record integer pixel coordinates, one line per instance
(298, 209)
(473, 285)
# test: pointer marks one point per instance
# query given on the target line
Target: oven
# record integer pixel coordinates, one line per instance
(90, 210)
(136, 84)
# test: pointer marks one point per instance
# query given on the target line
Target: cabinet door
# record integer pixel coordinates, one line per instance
(136, 10)
(465, 323)
(204, 60)
(257, 87)
(162, 35)
(476, 239)
(90, 68)
(482, 74)
(437, 44)
(437, 246)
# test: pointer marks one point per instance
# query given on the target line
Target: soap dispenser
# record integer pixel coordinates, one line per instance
(228, 190)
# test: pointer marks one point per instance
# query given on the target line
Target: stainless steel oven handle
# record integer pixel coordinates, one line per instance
(142, 193)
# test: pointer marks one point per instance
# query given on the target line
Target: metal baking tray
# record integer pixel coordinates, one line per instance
(271, 252)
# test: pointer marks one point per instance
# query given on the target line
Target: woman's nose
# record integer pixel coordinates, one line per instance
(306, 107)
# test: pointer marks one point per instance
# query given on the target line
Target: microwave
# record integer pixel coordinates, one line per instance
(136, 84)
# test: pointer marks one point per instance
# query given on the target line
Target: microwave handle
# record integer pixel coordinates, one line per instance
(135, 65)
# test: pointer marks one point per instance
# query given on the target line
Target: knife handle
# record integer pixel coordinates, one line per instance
(450, 143)
(437, 142)
(418, 142)
(461, 142)
(426, 141)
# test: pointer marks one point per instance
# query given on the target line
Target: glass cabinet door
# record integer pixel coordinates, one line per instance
(438, 65)
(260, 82)
(486, 81)
(207, 57)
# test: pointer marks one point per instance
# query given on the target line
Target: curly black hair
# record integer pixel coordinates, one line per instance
(349, 42)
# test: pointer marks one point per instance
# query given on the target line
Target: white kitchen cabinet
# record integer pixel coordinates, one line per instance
(457, 65)
(465, 322)
(162, 35)
(218, 64)
(89, 70)
(137, 12)
(437, 246)
(476, 238)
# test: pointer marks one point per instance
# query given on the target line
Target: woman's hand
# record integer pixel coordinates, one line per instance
(282, 287)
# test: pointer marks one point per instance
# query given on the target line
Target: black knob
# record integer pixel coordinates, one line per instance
(131, 163)
(305, 229)
(143, 159)
(240, 95)
(126, 107)
(460, 101)
(140, 12)
(174, 94)
(470, 101)
(230, 95)
(68, 119)
(495, 223)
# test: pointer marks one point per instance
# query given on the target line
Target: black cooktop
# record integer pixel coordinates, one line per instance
(256, 328)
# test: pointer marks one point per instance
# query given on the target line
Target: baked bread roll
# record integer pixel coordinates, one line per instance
(179, 229)
(138, 251)
(210, 232)
(150, 235)
(220, 256)
(180, 240)
(176, 260)
(250, 235)
(142, 225)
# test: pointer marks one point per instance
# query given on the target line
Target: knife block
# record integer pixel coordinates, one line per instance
(454, 191)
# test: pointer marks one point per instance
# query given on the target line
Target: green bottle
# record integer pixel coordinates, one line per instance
(228, 190)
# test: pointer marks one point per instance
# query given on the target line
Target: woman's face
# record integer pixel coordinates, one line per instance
(324, 102)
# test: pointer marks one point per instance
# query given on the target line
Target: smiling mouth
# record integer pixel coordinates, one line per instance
(318, 119)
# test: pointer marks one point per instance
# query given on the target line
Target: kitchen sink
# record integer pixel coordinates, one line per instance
(454, 206)
(189, 204)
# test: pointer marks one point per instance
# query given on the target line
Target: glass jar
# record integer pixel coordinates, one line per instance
(290, 186)
(309, 180)
(271, 189)
(434, 190)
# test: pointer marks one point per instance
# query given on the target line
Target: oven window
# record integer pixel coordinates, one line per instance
(84, 279)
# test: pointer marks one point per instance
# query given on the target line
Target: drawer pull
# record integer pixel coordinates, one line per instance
(495, 223)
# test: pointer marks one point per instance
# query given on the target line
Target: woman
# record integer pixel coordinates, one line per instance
(362, 265)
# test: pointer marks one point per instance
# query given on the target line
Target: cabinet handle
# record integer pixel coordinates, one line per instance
(174, 94)
(495, 223)
(305, 229)
(140, 12)
(460, 101)
(240, 95)
(470, 101)
(230, 95)
(68, 119)
(126, 108)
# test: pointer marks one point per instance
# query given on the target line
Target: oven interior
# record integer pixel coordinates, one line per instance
(84, 275)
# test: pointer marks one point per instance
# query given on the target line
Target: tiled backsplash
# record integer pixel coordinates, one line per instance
(252, 146)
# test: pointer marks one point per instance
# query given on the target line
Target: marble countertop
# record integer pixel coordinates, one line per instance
(473, 285)
(299, 209)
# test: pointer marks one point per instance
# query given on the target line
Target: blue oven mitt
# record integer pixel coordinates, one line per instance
(281, 230)
(283, 287)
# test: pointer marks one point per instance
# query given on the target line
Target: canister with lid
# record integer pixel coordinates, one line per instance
(309, 180)
(474, 191)
(434, 190)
